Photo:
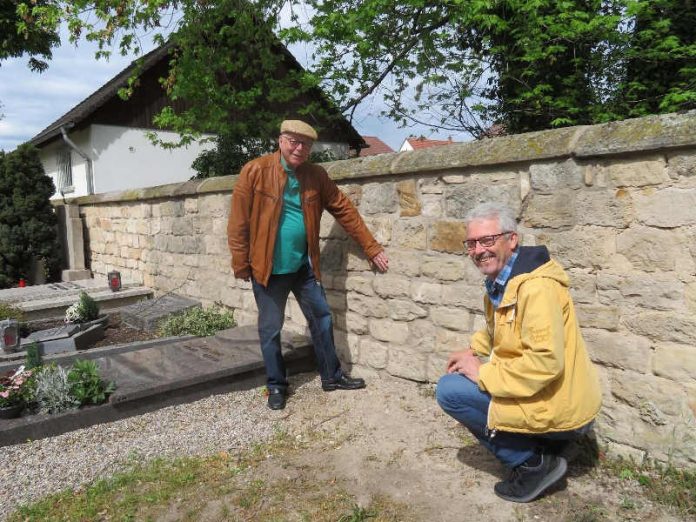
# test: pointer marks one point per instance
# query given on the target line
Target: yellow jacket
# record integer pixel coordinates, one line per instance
(539, 374)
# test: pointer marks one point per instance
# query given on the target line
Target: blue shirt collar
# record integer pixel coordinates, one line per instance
(496, 288)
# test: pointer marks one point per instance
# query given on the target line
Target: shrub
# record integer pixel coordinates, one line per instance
(28, 228)
(197, 321)
(7, 311)
(85, 309)
(53, 390)
(86, 385)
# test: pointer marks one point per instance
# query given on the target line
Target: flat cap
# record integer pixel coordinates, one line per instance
(298, 127)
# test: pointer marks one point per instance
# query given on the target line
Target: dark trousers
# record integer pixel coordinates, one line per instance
(310, 295)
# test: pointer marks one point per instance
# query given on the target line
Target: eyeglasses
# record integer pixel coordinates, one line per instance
(296, 143)
(484, 241)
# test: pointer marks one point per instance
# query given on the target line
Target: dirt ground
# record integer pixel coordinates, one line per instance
(116, 331)
(393, 440)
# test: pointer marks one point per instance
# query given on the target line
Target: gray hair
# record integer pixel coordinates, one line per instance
(504, 215)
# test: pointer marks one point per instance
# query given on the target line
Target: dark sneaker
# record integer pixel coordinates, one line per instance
(344, 383)
(526, 483)
(276, 399)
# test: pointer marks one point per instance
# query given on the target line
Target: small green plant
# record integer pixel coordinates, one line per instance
(85, 309)
(16, 387)
(7, 311)
(197, 321)
(33, 359)
(86, 385)
(53, 390)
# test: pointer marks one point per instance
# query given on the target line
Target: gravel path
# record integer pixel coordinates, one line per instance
(218, 423)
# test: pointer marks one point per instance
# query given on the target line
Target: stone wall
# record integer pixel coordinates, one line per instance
(614, 203)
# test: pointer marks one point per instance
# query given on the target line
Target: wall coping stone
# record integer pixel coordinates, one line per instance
(659, 132)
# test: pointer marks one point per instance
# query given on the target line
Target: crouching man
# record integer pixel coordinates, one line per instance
(526, 381)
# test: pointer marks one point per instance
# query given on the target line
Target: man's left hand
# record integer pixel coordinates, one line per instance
(381, 262)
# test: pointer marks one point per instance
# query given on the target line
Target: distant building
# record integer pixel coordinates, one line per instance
(374, 146)
(413, 143)
(100, 144)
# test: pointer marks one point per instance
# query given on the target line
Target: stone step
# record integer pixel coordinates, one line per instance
(161, 373)
(50, 301)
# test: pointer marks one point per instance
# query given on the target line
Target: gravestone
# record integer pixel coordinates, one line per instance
(146, 315)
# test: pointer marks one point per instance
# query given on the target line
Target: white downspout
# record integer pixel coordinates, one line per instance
(90, 172)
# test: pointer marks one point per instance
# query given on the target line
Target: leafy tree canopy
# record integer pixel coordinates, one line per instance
(456, 65)
(19, 36)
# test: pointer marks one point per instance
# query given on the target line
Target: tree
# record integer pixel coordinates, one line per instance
(456, 65)
(27, 221)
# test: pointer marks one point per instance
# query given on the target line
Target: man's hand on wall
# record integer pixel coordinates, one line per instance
(381, 262)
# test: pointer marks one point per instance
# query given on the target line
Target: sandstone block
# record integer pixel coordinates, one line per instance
(336, 300)
(329, 228)
(374, 354)
(448, 341)
(649, 249)
(631, 173)
(388, 331)
(356, 323)
(690, 295)
(360, 284)
(619, 349)
(681, 165)
(603, 208)
(430, 186)
(432, 205)
(548, 178)
(452, 318)
(428, 293)
(404, 310)
(583, 285)
(665, 208)
(388, 286)
(214, 205)
(410, 233)
(191, 205)
(551, 211)
(367, 306)
(657, 291)
(409, 203)
(675, 361)
(459, 199)
(464, 295)
(348, 348)
(381, 228)
(353, 192)
(597, 316)
(437, 363)
(409, 364)
(581, 247)
(422, 332)
(447, 236)
(663, 326)
(637, 390)
(404, 262)
(333, 259)
(379, 198)
(443, 268)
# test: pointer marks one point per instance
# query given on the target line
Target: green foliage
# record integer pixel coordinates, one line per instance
(230, 155)
(33, 359)
(27, 221)
(85, 309)
(458, 65)
(35, 40)
(86, 385)
(7, 311)
(197, 321)
(53, 390)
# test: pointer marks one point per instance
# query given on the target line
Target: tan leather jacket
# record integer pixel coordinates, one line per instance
(257, 201)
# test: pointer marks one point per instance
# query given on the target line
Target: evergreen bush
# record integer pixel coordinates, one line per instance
(28, 224)
(197, 321)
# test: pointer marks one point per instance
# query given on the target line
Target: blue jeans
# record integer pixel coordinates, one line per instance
(463, 400)
(271, 301)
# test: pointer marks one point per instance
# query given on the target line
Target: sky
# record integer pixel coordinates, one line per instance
(31, 101)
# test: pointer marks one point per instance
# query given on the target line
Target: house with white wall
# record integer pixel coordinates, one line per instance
(100, 145)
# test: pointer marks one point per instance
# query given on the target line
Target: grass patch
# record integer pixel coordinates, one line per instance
(258, 484)
(666, 485)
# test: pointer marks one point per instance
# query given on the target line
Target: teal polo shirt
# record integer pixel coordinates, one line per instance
(290, 251)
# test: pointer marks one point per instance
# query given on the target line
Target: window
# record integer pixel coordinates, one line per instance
(65, 181)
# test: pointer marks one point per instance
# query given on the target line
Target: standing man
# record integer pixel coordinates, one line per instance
(526, 380)
(273, 235)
